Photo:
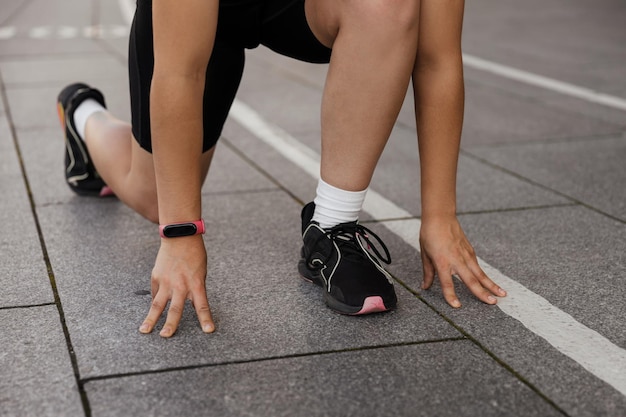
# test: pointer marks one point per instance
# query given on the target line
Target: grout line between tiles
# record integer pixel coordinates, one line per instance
(26, 306)
(269, 358)
(492, 355)
(537, 184)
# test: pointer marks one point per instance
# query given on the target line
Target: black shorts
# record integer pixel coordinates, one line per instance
(278, 24)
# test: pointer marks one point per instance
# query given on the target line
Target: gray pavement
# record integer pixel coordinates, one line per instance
(542, 196)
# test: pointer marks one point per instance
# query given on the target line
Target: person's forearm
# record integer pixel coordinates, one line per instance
(183, 40)
(176, 124)
(439, 99)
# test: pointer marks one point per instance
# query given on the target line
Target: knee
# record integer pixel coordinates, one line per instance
(389, 15)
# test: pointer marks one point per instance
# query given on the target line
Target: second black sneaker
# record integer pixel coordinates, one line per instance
(80, 173)
(339, 260)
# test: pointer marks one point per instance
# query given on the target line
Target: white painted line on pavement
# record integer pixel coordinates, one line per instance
(64, 32)
(67, 32)
(592, 351)
(544, 82)
(7, 32)
(40, 32)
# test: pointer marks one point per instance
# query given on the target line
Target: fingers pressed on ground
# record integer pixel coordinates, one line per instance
(156, 309)
(447, 287)
(204, 315)
(475, 285)
(174, 314)
(493, 287)
(486, 281)
(428, 271)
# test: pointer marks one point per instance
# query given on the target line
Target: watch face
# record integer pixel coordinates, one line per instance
(178, 230)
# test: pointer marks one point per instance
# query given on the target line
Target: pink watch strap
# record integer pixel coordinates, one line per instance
(199, 228)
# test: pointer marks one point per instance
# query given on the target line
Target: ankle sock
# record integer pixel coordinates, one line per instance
(334, 205)
(82, 113)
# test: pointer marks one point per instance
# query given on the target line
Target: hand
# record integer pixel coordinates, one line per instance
(446, 252)
(179, 274)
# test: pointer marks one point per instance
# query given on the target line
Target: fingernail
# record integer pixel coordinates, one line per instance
(207, 328)
(491, 299)
(501, 292)
(144, 328)
(166, 331)
(456, 304)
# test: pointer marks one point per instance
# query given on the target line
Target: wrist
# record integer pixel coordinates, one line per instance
(184, 246)
(438, 202)
(434, 215)
(182, 229)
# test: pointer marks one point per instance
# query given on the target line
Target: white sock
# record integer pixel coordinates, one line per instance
(82, 113)
(334, 205)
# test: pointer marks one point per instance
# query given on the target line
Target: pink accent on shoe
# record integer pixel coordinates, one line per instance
(106, 191)
(373, 304)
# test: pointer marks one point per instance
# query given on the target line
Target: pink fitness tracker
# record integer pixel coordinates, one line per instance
(182, 229)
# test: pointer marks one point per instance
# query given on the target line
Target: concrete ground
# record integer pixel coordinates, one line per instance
(541, 194)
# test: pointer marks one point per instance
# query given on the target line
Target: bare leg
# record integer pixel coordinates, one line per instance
(374, 48)
(124, 165)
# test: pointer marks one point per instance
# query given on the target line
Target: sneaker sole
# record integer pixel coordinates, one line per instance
(105, 191)
(372, 304)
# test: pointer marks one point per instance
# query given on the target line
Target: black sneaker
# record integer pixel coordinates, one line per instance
(339, 260)
(80, 173)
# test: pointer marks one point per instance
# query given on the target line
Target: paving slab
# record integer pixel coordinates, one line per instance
(262, 308)
(300, 184)
(34, 107)
(22, 267)
(576, 42)
(479, 187)
(417, 380)
(299, 104)
(553, 100)
(36, 36)
(561, 254)
(302, 72)
(531, 250)
(590, 171)
(43, 152)
(62, 70)
(565, 382)
(37, 376)
(492, 117)
(499, 111)
(229, 173)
